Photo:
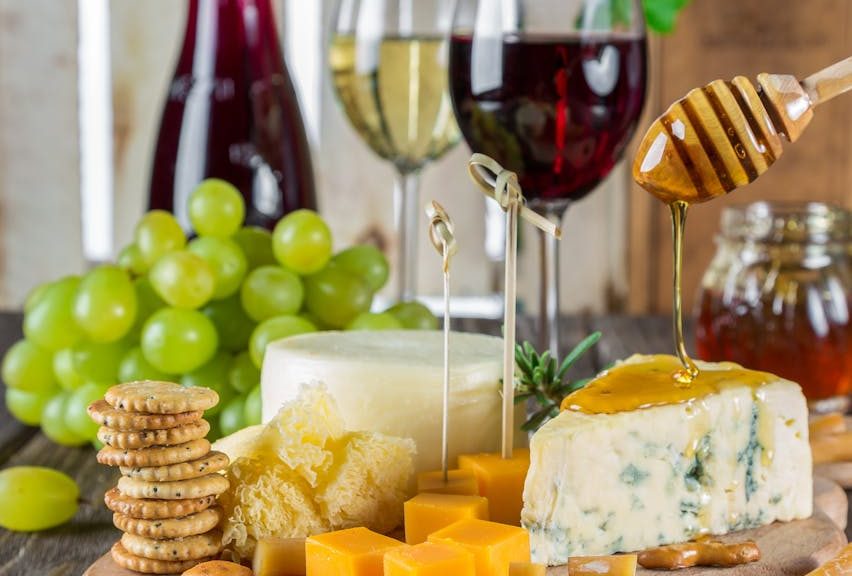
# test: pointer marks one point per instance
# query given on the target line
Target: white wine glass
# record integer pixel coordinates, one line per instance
(388, 60)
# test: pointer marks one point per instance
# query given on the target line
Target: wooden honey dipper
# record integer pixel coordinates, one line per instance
(726, 134)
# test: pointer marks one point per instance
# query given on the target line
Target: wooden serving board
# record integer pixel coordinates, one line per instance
(787, 548)
(840, 472)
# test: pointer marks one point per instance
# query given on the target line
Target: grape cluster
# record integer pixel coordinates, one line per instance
(199, 312)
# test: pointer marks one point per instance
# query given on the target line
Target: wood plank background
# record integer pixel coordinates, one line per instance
(615, 255)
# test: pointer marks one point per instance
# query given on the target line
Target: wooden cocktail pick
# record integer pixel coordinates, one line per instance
(502, 185)
(726, 134)
(444, 241)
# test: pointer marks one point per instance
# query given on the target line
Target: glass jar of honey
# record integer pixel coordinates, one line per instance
(778, 294)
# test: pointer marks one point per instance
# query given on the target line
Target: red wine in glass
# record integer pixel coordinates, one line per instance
(231, 113)
(557, 110)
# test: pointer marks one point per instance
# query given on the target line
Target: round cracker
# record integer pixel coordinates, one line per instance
(212, 462)
(106, 415)
(156, 397)
(146, 438)
(154, 456)
(155, 509)
(218, 568)
(197, 523)
(208, 485)
(136, 563)
(189, 548)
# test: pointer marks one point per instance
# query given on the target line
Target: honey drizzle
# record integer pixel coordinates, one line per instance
(689, 371)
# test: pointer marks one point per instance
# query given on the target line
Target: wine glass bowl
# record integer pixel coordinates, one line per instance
(388, 60)
(553, 91)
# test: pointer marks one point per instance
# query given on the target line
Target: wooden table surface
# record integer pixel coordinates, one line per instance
(68, 550)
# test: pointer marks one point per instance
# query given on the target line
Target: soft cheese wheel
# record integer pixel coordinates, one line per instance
(392, 382)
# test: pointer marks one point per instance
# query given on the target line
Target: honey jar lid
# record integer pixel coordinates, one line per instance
(787, 223)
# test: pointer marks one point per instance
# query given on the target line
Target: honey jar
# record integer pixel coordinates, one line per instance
(777, 297)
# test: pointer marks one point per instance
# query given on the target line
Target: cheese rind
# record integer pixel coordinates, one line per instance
(605, 483)
(392, 382)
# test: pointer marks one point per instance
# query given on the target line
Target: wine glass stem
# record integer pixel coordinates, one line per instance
(406, 201)
(549, 308)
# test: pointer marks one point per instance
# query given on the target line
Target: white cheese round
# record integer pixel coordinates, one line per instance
(392, 382)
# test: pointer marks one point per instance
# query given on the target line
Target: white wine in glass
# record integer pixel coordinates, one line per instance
(389, 67)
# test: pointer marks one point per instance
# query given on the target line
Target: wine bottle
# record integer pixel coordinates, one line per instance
(231, 112)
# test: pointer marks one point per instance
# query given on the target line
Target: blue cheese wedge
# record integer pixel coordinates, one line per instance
(634, 461)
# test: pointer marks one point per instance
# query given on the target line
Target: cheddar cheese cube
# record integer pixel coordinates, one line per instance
(427, 513)
(429, 559)
(279, 557)
(351, 552)
(494, 546)
(621, 565)
(501, 481)
(527, 569)
(458, 482)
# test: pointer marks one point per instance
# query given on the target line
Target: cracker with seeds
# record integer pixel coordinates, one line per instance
(106, 415)
(155, 509)
(154, 456)
(155, 397)
(137, 439)
(191, 525)
(209, 485)
(212, 462)
(136, 563)
(189, 548)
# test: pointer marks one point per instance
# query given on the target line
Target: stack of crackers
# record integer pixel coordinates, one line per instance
(165, 501)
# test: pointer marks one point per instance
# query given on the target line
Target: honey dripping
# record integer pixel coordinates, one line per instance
(718, 138)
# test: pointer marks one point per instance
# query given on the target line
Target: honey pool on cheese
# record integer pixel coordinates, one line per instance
(734, 457)
(392, 382)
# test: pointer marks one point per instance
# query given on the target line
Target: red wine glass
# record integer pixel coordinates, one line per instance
(553, 91)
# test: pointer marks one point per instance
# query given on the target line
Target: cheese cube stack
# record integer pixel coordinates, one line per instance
(427, 513)
(351, 552)
(494, 546)
(622, 565)
(737, 458)
(501, 481)
(429, 559)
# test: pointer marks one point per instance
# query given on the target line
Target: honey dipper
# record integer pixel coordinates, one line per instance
(726, 134)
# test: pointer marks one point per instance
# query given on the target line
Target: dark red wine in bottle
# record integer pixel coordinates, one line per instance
(231, 113)
(557, 110)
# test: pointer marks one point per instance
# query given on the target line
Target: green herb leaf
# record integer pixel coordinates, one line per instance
(660, 15)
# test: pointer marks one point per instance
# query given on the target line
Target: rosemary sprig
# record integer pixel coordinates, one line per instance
(537, 377)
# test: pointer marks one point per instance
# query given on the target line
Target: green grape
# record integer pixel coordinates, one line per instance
(130, 259)
(26, 407)
(133, 366)
(28, 367)
(375, 321)
(50, 322)
(54, 424)
(271, 291)
(64, 371)
(213, 375)
(243, 375)
(216, 208)
(414, 316)
(36, 294)
(105, 305)
(256, 244)
(225, 259)
(156, 234)
(301, 241)
(232, 323)
(336, 297)
(275, 329)
(365, 261)
(178, 341)
(183, 279)
(36, 498)
(96, 362)
(233, 417)
(314, 320)
(76, 416)
(147, 302)
(253, 408)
